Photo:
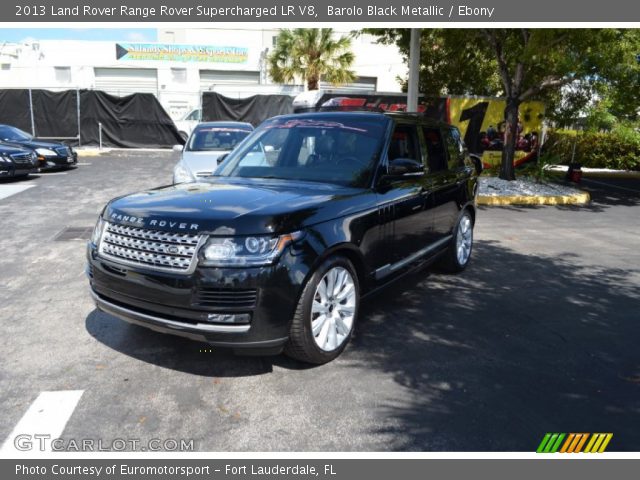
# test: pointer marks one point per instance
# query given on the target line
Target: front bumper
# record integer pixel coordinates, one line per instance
(171, 303)
(54, 163)
(11, 171)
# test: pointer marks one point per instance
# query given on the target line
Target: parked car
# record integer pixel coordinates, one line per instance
(50, 155)
(208, 142)
(187, 123)
(17, 162)
(275, 251)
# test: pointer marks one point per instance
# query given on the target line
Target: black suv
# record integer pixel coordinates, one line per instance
(277, 248)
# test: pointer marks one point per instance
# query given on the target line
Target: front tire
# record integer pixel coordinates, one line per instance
(458, 255)
(326, 313)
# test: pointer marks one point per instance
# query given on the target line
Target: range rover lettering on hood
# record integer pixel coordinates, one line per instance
(153, 223)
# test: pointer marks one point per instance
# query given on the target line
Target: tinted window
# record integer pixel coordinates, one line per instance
(404, 143)
(332, 149)
(455, 148)
(195, 115)
(436, 154)
(216, 138)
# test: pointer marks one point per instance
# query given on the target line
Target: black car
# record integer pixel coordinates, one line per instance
(17, 162)
(276, 249)
(51, 155)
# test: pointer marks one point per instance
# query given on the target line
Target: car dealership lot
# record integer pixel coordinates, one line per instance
(538, 335)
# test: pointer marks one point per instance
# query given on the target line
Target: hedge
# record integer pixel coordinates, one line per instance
(618, 149)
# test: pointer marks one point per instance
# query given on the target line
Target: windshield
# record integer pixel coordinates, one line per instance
(330, 148)
(8, 133)
(216, 139)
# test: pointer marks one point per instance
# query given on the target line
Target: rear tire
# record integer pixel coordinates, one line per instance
(458, 255)
(326, 313)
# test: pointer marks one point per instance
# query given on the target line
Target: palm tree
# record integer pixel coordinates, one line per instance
(310, 55)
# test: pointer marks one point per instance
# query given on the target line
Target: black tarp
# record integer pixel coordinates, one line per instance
(255, 109)
(14, 109)
(135, 121)
(55, 114)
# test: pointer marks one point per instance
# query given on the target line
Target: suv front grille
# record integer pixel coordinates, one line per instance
(23, 158)
(226, 297)
(176, 252)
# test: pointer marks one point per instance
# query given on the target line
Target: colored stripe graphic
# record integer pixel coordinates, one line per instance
(550, 443)
(598, 442)
(574, 443)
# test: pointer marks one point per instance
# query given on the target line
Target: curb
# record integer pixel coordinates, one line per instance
(581, 198)
(588, 173)
(92, 152)
(614, 174)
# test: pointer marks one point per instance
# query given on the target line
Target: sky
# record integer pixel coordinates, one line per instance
(14, 35)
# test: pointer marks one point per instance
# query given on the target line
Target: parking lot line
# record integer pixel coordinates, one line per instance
(47, 416)
(85, 164)
(8, 190)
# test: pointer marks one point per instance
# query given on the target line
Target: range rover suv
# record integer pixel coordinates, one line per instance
(275, 250)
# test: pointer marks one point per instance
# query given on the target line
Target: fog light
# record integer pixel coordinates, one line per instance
(228, 318)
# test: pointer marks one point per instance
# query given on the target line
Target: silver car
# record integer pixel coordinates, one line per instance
(208, 142)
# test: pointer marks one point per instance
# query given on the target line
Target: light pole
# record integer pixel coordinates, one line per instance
(414, 70)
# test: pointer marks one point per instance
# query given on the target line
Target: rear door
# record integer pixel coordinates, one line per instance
(404, 201)
(445, 161)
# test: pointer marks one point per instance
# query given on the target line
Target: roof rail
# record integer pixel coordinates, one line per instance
(340, 108)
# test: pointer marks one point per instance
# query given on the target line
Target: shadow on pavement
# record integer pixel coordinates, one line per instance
(516, 346)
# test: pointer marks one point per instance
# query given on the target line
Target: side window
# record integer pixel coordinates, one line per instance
(404, 143)
(455, 148)
(436, 154)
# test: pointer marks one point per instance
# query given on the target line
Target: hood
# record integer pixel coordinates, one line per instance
(35, 143)
(234, 206)
(9, 149)
(205, 162)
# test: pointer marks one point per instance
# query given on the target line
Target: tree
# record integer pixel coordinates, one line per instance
(311, 55)
(529, 64)
(448, 66)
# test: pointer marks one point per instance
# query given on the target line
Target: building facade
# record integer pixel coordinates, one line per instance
(177, 68)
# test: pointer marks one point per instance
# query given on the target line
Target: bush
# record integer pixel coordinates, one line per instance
(618, 149)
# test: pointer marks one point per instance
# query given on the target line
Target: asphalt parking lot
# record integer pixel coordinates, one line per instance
(539, 335)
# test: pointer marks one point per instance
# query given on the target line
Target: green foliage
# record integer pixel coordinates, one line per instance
(310, 55)
(599, 116)
(618, 149)
(447, 65)
(539, 170)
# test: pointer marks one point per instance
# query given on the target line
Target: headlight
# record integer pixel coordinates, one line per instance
(97, 231)
(4, 159)
(45, 152)
(236, 251)
(181, 174)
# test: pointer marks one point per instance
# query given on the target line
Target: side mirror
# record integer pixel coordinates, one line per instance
(400, 167)
(178, 148)
(477, 162)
